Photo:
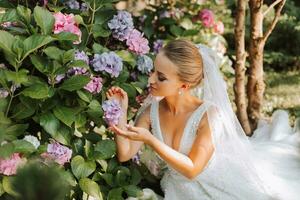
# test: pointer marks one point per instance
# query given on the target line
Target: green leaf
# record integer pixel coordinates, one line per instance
(99, 49)
(99, 31)
(127, 57)
(16, 129)
(22, 111)
(129, 89)
(103, 15)
(175, 30)
(75, 83)
(23, 146)
(85, 96)
(105, 149)
(50, 123)
(24, 13)
(6, 4)
(63, 135)
(135, 176)
(109, 179)
(122, 177)
(6, 41)
(65, 114)
(7, 186)
(1, 189)
(54, 52)
(133, 191)
(82, 168)
(115, 194)
(95, 110)
(67, 36)
(68, 56)
(6, 150)
(44, 19)
(37, 91)
(91, 188)
(34, 42)
(17, 77)
(40, 63)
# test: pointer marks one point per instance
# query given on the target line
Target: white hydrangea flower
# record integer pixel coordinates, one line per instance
(33, 140)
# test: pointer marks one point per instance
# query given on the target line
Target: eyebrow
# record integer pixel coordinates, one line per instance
(161, 73)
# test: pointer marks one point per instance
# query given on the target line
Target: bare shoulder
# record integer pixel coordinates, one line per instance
(204, 134)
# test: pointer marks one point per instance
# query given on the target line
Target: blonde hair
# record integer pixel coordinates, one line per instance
(185, 55)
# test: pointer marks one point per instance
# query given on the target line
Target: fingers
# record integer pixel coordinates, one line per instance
(116, 90)
(119, 131)
(132, 128)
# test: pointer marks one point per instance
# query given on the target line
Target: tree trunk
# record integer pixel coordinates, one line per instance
(239, 86)
(255, 85)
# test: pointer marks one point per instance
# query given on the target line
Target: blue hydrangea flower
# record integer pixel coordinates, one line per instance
(109, 62)
(121, 24)
(144, 64)
(112, 111)
(73, 4)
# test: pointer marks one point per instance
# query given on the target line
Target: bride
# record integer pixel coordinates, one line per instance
(197, 142)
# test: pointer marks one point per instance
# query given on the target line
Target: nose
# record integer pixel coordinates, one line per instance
(151, 79)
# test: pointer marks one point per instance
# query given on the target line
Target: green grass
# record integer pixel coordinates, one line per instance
(282, 92)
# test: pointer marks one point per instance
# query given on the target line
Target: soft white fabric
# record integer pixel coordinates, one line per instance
(277, 162)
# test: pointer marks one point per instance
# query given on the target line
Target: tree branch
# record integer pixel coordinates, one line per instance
(274, 22)
(271, 6)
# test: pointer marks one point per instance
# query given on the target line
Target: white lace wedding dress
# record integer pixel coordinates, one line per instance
(278, 158)
(265, 166)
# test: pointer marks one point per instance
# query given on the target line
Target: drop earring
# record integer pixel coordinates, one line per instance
(180, 92)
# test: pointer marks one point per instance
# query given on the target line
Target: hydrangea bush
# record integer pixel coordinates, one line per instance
(57, 60)
(200, 21)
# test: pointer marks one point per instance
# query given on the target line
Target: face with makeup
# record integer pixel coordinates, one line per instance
(164, 80)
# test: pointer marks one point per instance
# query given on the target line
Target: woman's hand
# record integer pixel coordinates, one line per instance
(133, 133)
(120, 95)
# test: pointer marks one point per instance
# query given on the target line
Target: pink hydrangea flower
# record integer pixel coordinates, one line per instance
(9, 166)
(219, 27)
(58, 153)
(66, 23)
(95, 85)
(207, 17)
(137, 43)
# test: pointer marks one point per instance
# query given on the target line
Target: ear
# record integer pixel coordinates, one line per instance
(185, 86)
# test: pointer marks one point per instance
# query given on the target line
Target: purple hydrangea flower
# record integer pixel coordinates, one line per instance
(137, 158)
(112, 111)
(58, 78)
(144, 64)
(137, 43)
(109, 62)
(157, 45)
(95, 85)
(3, 93)
(164, 14)
(58, 153)
(73, 4)
(121, 24)
(77, 71)
(81, 55)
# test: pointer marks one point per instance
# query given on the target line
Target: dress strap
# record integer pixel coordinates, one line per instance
(155, 120)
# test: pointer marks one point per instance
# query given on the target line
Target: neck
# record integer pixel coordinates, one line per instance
(177, 104)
